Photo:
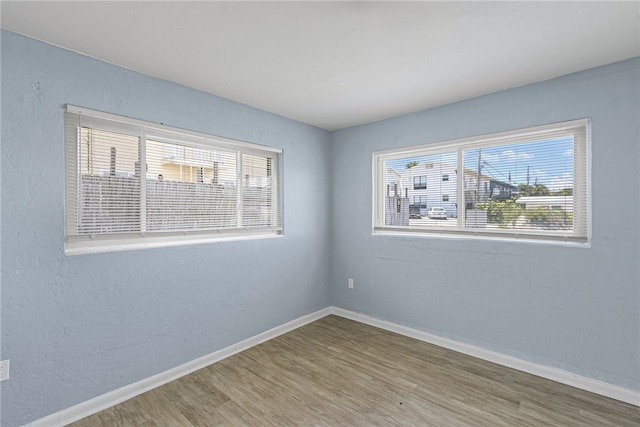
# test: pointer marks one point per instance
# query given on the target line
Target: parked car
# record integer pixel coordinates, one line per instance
(414, 212)
(437, 213)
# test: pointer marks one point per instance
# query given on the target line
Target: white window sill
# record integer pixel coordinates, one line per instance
(84, 247)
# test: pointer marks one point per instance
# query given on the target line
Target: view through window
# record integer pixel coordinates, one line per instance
(530, 183)
(191, 187)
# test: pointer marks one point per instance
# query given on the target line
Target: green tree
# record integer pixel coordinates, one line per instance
(549, 219)
(412, 164)
(564, 192)
(503, 213)
(533, 190)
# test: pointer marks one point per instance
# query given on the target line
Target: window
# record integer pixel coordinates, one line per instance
(419, 182)
(132, 184)
(420, 201)
(527, 184)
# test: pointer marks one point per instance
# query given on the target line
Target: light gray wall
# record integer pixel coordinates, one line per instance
(572, 308)
(77, 327)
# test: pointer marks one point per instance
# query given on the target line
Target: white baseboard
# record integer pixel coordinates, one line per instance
(554, 374)
(107, 400)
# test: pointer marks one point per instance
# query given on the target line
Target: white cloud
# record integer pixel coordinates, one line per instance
(490, 157)
(538, 173)
(559, 182)
(512, 155)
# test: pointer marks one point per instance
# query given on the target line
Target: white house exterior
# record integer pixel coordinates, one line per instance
(393, 182)
(431, 184)
(434, 184)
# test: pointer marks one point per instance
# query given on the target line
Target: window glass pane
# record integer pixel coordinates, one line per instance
(413, 185)
(526, 186)
(419, 182)
(189, 187)
(257, 190)
(109, 182)
(420, 201)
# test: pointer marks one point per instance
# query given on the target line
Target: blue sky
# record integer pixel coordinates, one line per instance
(548, 162)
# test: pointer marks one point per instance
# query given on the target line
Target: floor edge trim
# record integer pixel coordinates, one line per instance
(558, 375)
(112, 398)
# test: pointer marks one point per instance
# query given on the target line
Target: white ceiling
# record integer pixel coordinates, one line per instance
(339, 64)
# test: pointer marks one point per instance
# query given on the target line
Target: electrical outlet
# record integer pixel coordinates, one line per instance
(4, 370)
(350, 283)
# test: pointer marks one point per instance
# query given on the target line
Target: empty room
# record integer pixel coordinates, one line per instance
(320, 213)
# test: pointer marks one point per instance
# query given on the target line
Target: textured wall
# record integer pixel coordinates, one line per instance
(77, 327)
(572, 308)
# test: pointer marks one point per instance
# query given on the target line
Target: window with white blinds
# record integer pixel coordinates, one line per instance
(133, 184)
(527, 184)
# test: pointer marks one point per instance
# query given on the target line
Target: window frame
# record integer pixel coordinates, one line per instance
(78, 243)
(420, 182)
(579, 236)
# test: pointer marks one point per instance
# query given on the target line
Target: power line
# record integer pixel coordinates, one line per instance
(494, 168)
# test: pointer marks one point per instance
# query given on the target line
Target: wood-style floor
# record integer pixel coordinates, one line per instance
(336, 372)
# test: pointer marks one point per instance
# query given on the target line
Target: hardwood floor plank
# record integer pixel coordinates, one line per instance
(337, 372)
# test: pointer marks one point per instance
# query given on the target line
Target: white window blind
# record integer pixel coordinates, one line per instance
(132, 184)
(525, 184)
